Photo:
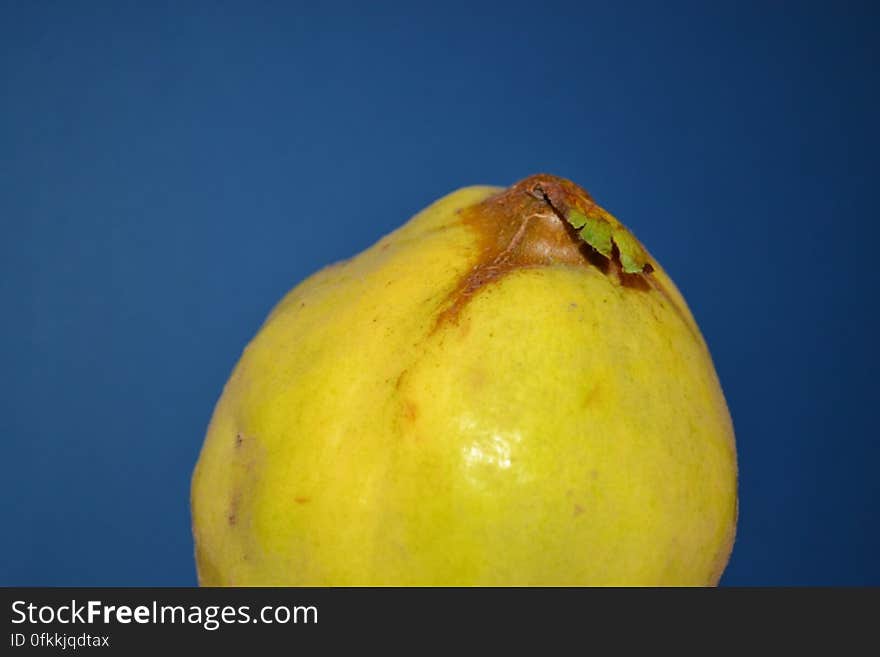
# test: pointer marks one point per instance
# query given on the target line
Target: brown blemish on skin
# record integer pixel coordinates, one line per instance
(410, 410)
(591, 396)
(234, 502)
(524, 227)
(302, 500)
(245, 462)
(578, 510)
(398, 384)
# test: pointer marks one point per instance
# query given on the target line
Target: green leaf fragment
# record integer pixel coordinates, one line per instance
(632, 256)
(602, 234)
(576, 218)
(597, 233)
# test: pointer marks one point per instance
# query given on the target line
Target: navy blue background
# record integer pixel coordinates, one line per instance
(166, 174)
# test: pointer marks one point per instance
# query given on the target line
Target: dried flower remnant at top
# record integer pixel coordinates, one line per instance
(542, 220)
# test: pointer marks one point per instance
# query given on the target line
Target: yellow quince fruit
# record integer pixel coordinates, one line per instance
(506, 390)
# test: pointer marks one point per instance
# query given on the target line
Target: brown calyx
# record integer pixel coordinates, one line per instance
(524, 226)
